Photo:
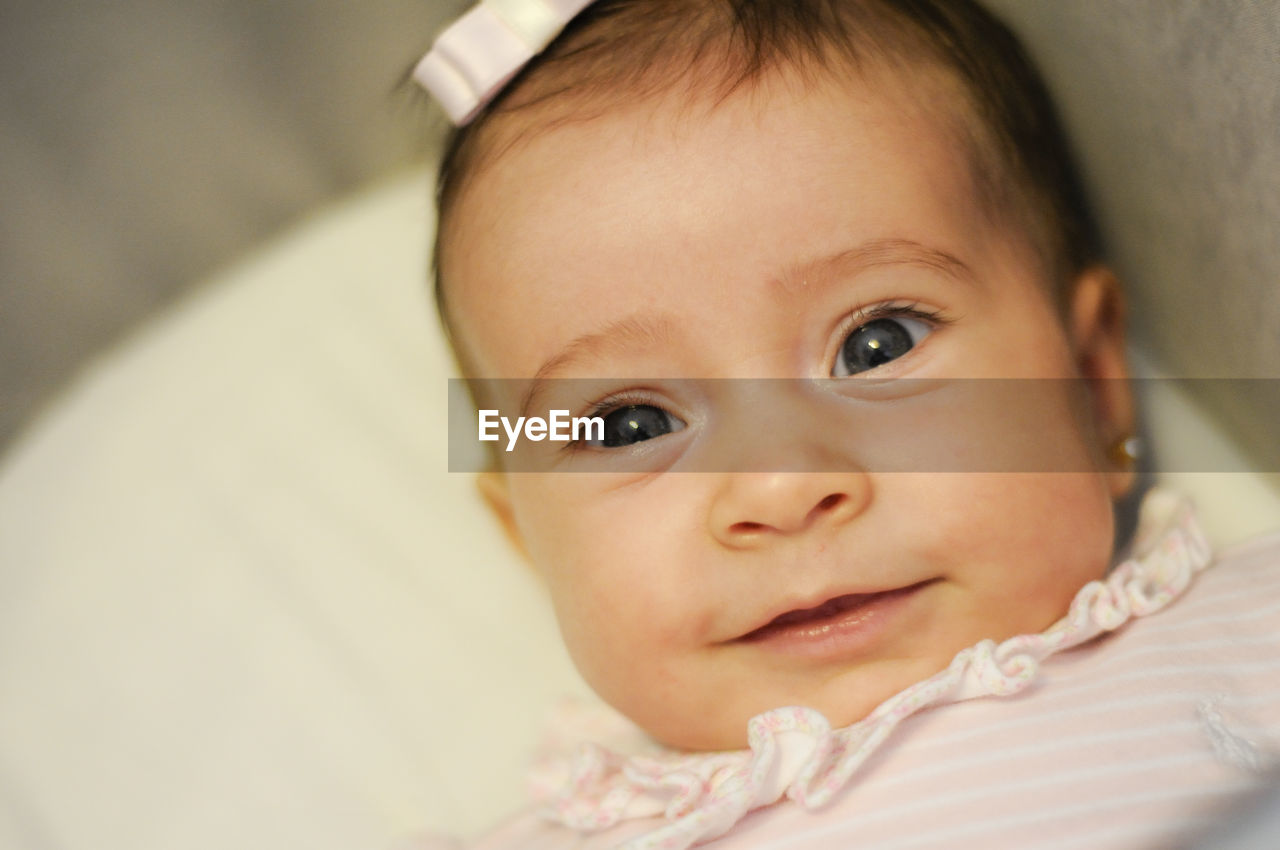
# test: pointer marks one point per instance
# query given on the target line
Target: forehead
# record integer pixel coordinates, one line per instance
(589, 219)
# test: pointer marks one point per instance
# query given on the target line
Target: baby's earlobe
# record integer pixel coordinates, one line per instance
(1096, 327)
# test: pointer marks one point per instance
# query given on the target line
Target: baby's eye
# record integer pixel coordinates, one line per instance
(877, 342)
(636, 423)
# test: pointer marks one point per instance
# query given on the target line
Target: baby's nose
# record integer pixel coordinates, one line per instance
(752, 508)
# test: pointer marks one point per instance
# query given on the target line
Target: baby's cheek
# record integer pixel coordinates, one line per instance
(1064, 540)
(1019, 528)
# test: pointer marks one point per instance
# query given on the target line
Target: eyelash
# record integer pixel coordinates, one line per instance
(890, 310)
(625, 398)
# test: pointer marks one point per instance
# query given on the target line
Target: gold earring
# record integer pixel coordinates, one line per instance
(1126, 451)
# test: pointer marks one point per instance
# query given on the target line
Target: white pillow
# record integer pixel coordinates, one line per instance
(244, 604)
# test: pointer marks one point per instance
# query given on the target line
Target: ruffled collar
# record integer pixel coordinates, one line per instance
(793, 751)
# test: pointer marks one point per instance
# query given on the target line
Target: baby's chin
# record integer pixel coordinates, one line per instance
(842, 698)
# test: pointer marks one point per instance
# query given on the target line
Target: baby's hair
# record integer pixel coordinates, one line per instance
(622, 51)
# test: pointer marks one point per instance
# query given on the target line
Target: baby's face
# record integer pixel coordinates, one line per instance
(778, 235)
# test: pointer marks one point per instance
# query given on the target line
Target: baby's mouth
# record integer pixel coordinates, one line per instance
(844, 611)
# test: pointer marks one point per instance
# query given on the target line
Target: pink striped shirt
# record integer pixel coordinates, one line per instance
(1138, 738)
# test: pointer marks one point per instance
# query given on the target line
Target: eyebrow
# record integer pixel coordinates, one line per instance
(877, 252)
(648, 330)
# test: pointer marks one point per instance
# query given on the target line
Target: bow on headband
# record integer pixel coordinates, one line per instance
(475, 57)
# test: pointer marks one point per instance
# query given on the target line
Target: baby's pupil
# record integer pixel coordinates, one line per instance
(634, 423)
(875, 343)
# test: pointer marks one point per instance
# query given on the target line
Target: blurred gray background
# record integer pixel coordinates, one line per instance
(144, 142)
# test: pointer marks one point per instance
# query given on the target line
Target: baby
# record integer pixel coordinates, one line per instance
(869, 204)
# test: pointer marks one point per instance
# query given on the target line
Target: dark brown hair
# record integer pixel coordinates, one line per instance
(629, 49)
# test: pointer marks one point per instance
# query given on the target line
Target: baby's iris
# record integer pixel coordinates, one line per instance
(635, 423)
(878, 342)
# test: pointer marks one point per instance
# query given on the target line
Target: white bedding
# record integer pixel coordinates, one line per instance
(243, 604)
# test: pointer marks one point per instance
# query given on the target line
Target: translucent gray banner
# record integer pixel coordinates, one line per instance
(758, 425)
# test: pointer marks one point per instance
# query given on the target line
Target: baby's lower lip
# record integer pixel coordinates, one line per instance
(840, 627)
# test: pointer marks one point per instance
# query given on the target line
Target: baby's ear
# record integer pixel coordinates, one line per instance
(1097, 326)
(497, 496)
